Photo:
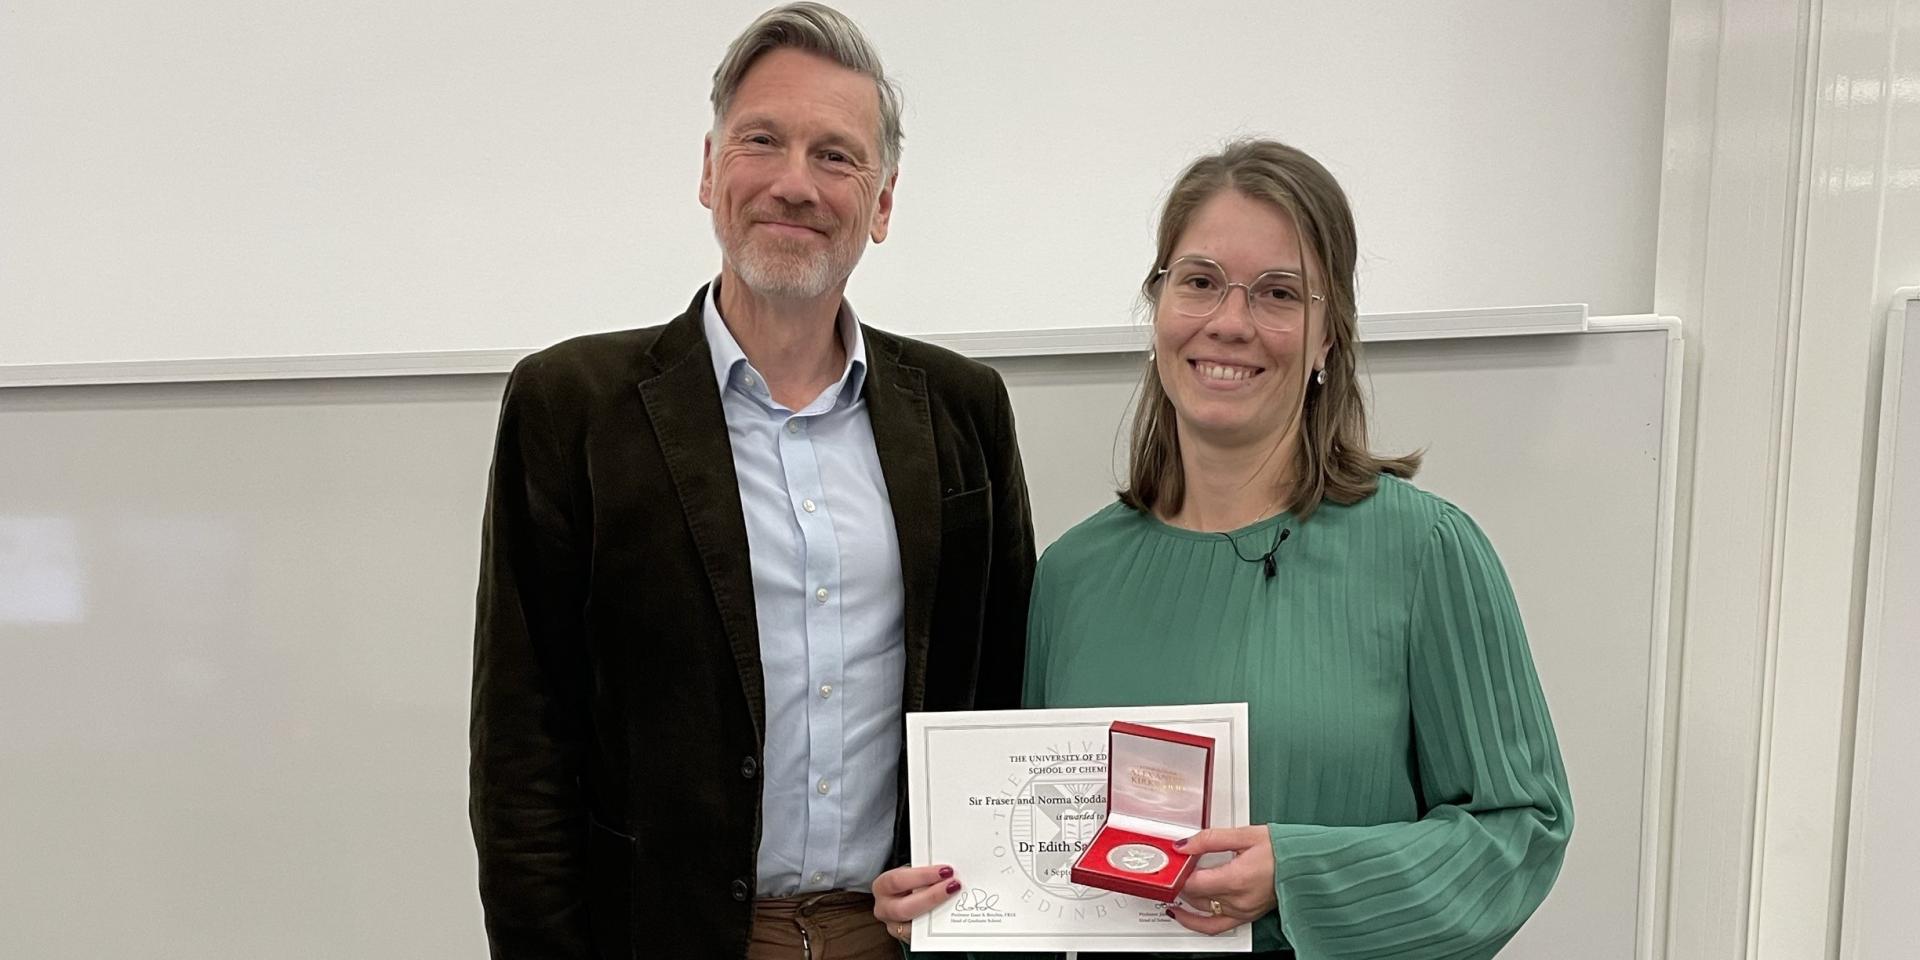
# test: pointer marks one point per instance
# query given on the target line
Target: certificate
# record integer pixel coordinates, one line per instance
(1010, 798)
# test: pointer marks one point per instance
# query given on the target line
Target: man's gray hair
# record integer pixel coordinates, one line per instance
(818, 29)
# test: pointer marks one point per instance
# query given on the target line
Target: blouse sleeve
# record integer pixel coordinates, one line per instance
(1458, 882)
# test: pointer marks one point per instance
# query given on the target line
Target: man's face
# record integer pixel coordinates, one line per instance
(793, 175)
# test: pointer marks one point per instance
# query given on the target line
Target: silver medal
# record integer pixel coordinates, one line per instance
(1136, 858)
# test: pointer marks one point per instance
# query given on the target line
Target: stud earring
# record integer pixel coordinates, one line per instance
(1320, 376)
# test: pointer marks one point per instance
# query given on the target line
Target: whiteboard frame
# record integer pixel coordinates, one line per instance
(1656, 813)
(1657, 793)
(1122, 338)
(1904, 312)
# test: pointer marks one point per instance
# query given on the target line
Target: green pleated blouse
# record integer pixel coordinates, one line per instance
(1402, 754)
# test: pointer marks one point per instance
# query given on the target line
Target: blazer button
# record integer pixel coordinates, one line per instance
(740, 890)
(749, 767)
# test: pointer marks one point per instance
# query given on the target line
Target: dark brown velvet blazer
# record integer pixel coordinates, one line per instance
(618, 713)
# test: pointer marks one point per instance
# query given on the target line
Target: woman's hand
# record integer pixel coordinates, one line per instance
(903, 893)
(1232, 893)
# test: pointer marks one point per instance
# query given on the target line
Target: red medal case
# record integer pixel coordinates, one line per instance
(1159, 789)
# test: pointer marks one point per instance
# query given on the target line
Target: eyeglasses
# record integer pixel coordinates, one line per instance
(1196, 287)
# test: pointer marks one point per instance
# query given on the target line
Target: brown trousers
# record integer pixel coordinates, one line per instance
(837, 925)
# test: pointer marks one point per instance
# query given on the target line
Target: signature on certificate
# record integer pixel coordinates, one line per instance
(976, 900)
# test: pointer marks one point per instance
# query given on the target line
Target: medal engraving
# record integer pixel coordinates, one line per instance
(1136, 858)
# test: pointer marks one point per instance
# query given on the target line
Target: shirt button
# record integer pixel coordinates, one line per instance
(823, 787)
(748, 380)
(826, 690)
(807, 505)
(820, 594)
(740, 891)
(818, 876)
(793, 426)
(748, 767)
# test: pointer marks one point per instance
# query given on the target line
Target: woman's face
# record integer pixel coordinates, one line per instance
(1235, 382)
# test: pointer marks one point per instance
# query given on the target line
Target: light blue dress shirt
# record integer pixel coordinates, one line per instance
(830, 608)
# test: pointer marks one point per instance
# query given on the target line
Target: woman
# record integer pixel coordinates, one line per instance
(1407, 788)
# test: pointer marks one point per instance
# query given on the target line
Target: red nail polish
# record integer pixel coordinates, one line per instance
(1181, 842)
(1169, 913)
(953, 887)
(946, 872)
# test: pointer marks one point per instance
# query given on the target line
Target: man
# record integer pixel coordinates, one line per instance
(724, 555)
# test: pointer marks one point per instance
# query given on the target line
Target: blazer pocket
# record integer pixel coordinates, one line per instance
(967, 508)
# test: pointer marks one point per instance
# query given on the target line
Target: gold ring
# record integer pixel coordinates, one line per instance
(1214, 905)
(902, 932)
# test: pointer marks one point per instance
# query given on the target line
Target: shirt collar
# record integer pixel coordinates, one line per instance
(730, 363)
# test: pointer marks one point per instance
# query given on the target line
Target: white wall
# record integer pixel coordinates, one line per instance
(263, 177)
(1790, 211)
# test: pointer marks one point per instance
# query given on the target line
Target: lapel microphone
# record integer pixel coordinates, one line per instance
(1266, 559)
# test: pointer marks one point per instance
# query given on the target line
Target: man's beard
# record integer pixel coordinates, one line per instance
(774, 267)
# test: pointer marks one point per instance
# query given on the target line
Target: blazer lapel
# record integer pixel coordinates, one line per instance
(903, 437)
(683, 403)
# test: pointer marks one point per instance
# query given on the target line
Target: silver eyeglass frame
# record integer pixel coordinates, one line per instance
(1245, 288)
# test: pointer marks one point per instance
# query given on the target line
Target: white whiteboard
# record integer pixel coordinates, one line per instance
(235, 632)
(259, 178)
(1883, 850)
